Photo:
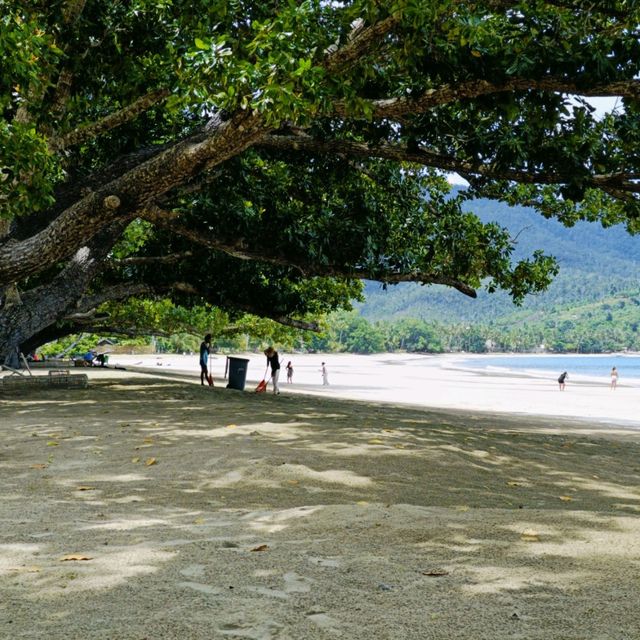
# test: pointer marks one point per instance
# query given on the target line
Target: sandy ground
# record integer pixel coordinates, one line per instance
(152, 508)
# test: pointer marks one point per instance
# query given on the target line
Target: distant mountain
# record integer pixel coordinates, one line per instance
(595, 264)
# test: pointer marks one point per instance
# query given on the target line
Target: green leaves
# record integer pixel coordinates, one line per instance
(164, 317)
(28, 171)
(133, 239)
(202, 45)
(310, 73)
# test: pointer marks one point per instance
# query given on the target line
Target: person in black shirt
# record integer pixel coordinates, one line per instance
(274, 361)
(205, 349)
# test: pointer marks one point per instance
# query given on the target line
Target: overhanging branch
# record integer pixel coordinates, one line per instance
(283, 320)
(85, 312)
(167, 220)
(301, 142)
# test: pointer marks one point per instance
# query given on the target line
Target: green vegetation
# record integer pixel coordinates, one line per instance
(260, 159)
(609, 325)
(592, 305)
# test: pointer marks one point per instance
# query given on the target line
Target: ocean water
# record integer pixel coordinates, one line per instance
(582, 366)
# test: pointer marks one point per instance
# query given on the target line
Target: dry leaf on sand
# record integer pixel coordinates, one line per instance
(74, 557)
(262, 547)
(149, 461)
(530, 536)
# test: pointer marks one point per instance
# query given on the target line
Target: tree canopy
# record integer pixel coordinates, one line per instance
(265, 156)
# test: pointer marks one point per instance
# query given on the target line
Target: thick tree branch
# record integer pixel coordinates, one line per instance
(168, 259)
(45, 304)
(72, 10)
(124, 196)
(398, 108)
(87, 305)
(113, 120)
(167, 220)
(360, 42)
(106, 329)
(578, 6)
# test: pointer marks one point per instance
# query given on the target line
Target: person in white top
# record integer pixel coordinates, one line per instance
(325, 375)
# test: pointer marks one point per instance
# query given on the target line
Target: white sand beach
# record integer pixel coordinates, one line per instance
(440, 381)
(148, 507)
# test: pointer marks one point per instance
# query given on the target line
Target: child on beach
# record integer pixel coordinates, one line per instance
(289, 372)
(614, 378)
(325, 375)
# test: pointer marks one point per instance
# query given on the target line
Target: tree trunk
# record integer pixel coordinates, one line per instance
(43, 306)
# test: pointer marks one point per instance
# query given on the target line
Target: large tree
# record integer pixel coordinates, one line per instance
(264, 156)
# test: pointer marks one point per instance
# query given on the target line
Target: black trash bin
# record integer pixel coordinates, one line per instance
(237, 373)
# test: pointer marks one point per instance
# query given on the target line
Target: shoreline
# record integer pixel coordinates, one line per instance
(578, 378)
(426, 381)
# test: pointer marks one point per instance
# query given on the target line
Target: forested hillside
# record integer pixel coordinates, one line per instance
(596, 264)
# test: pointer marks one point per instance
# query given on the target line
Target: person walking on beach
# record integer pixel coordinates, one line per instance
(205, 350)
(614, 378)
(273, 360)
(289, 373)
(561, 380)
(325, 375)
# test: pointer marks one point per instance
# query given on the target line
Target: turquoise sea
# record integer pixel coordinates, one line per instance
(582, 366)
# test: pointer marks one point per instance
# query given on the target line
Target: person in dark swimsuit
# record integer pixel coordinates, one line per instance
(562, 379)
